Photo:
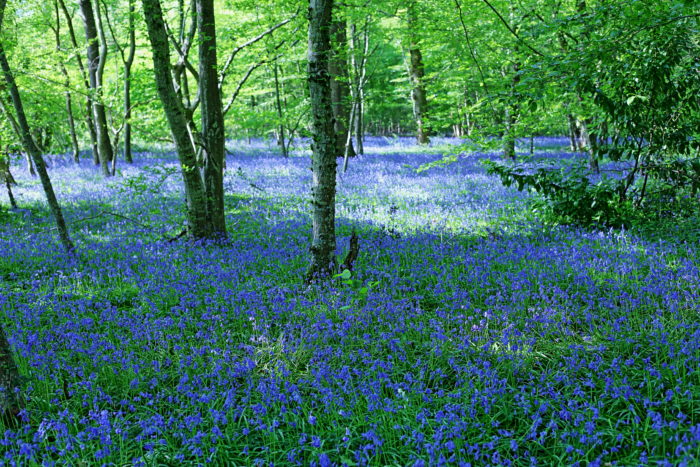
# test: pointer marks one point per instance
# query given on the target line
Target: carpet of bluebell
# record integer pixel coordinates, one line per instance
(468, 334)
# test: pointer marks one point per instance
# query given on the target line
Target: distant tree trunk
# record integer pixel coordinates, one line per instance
(128, 62)
(88, 116)
(213, 138)
(417, 75)
(508, 134)
(69, 100)
(30, 147)
(324, 141)
(197, 217)
(97, 55)
(512, 111)
(281, 138)
(573, 144)
(340, 87)
(358, 59)
(590, 143)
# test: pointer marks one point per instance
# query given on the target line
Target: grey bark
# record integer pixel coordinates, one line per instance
(29, 145)
(324, 142)
(340, 87)
(96, 55)
(213, 138)
(416, 71)
(197, 219)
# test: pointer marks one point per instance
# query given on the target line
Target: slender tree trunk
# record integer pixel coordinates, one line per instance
(88, 116)
(197, 217)
(340, 86)
(508, 134)
(212, 118)
(324, 141)
(128, 157)
(31, 148)
(573, 144)
(417, 76)
(69, 99)
(281, 138)
(96, 54)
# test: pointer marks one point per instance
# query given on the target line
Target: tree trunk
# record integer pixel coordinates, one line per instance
(573, 144)
(88, 116)
(96, 54)
(128, 157)
(340, 86)
(212, 118)
(417, 75)
(69, 99)
(508, 135)
(324, 142)
(30, 147)
(197, 218)
(10, 402)
(281, 138)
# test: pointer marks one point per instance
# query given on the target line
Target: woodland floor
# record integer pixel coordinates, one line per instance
(470, 332)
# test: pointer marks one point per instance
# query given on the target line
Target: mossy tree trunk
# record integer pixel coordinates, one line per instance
(97, 55)
(324, 141)
(197, 217)
(212, 118)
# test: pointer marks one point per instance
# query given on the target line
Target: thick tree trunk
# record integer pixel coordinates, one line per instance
(212, 118)
(416, 71)
(96, 54)
(197, 218)
(10, 402)
(31, 148)
(324, 141)
(340, 87)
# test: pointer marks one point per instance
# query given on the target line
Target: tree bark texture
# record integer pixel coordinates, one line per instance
(417, 76)
(197, 218)
(324, 141)
(213, 137)
(96, 61)
(340, 86)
